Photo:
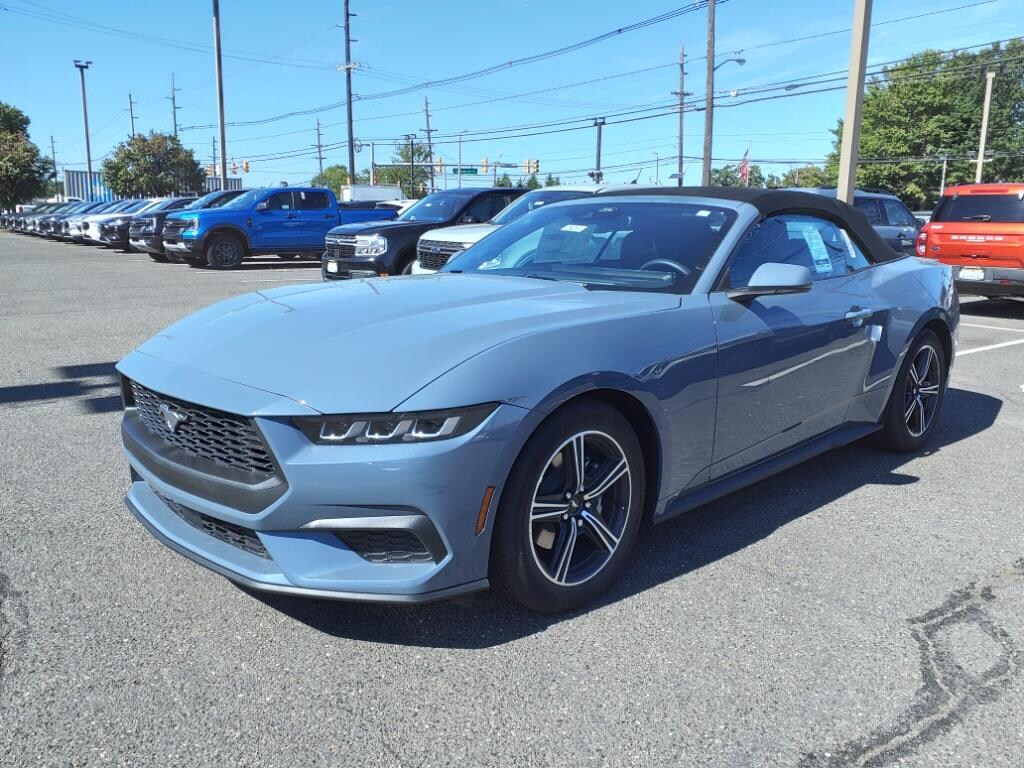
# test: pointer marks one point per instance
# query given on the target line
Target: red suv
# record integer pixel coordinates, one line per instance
(979, 230)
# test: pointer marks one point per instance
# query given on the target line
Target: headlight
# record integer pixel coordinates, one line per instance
(372, 245)
(147, 225)
(379, 428)
(120, 221)
(190, 224)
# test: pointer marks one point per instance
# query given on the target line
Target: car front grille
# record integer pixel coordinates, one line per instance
(377, 546)
(235, 535)
(434, 254)
(173, 229)
(222, 438)
(343, 247)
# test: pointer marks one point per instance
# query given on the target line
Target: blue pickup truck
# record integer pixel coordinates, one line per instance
(289, 222)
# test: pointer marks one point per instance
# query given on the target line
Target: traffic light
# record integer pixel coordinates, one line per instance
(527, 165)
(535, 168)
(245, 166)
(484, 165)
(210, 170)
(234, 167)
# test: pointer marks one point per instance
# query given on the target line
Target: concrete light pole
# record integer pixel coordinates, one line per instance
(220, 95)
(709, 95)
(82, 66)
(990, 76)
(848, 149)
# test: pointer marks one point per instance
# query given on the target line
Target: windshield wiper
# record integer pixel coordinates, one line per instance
(978, 217)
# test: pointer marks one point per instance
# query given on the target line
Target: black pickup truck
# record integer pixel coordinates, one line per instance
(389, 247)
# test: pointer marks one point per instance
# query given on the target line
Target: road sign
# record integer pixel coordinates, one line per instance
(464, 171)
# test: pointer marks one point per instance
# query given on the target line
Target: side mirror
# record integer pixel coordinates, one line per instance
(774, 280)
(920, 222)
(467, 219)
(262, 205)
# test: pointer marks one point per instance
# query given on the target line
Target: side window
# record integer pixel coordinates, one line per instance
(807, 241)
(282, 201)
(484, 208)
(870, 208)
(312, 201)
(897, 214)
(178, 204)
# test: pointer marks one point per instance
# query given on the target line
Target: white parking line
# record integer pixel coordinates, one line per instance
(990, 346)
(993, 327)
(285, 280)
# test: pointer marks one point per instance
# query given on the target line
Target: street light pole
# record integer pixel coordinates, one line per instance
(709, 104)
(220, 95)
(82, 66)
(681, 93)
(348, 96)
(460, 159)
(990, 76)
(849, 148)
(599, 124)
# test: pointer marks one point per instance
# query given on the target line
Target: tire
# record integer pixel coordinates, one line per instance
(157, 257)
(224, 252)
(194, 261)
(530, 542)
(916, 399)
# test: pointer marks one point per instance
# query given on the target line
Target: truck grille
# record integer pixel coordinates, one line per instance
(434, 254)
(173, 229)
(223, 438)
(235, 535)
(343, 247)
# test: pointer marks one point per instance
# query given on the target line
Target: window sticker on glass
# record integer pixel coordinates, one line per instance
(702, 213)
(810, 234)
(574, 228)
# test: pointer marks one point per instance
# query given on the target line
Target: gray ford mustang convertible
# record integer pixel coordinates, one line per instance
(511, 420)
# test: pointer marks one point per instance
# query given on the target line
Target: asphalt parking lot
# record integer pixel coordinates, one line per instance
(863, 609)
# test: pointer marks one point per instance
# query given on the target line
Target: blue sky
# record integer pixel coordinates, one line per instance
(284, 58)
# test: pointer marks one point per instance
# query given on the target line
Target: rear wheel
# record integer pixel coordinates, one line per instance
(224, 252)
(917, 396)
(570, 511)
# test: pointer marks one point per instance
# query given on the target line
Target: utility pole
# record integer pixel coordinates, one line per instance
(131, 111)
(849, 147)
(599, 124)
(990, 76)
(657, 169)
(430, 143)
(82, 66)
(220, 95)
(373, 163)
(320, 150)
(681, 93)
(174, 104)
(460, 161)
(709, 99)
(348, 95)
(53, 157)
(942, 181)
(213, 143)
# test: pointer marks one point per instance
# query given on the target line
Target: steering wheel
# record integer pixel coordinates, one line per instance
(684, 271)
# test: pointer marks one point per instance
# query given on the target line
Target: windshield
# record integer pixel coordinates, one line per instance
(245, 200)
(645, 246)
(132, 207)
(212, 200)
(440, 206)
(999, 208)
(535, 199)
(163, 205)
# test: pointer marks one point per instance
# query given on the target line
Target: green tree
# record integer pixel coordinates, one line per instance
(532, 182)
(503, 181)
(808, 176)
(414, 183)
(729, 176)
(334, 178)
(930, 105)
(23, 170)
(156, 164)
(12, 119)
(552, 181)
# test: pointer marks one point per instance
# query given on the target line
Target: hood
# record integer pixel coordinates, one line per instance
(383, 227)
(207, 214)
(365, 346)
(464, 233)
(101, 217)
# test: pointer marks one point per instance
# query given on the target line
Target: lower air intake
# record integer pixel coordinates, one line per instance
(386, 546)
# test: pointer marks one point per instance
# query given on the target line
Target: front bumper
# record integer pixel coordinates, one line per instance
(187, 246)
(334, 268)
(434, 489)
(419, 269)
(992, 281)
(147, 243)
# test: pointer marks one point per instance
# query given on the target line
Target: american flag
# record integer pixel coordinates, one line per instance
(744, 168)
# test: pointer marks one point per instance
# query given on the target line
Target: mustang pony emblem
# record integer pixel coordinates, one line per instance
(172, 418)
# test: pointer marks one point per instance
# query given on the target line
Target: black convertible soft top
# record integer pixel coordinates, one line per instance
(772, 201)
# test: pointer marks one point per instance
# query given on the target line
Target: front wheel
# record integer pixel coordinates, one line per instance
(224, 252)
(917, 396)
(571, 509)
(157, 256)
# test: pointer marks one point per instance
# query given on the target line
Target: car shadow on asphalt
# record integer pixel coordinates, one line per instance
(1010, 309)
(664, 552)
(257, 264)
(93, 385)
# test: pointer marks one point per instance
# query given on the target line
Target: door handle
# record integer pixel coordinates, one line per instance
(857, 316)
(328, 216)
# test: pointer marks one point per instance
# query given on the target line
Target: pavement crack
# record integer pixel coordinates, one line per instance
(948, 690)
